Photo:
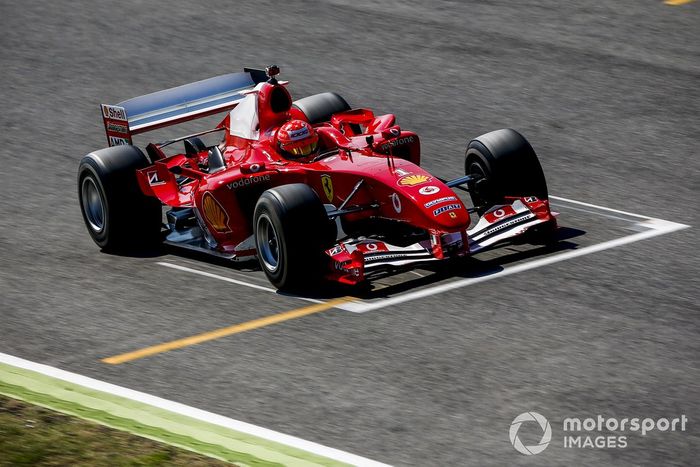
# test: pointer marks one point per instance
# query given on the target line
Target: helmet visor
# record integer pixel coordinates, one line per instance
(301, 151)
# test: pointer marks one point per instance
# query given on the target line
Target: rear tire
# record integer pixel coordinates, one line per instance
(320, 107)
(118, 216)
(508, 165)
(291, 231)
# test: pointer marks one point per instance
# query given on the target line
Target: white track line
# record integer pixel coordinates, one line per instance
(572, 207)
(188, 411)
(600, 208)
(656, 227)
(233, 281)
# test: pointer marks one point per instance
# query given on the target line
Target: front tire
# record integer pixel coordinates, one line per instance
(118, 216)
(291, 231)
(508, 166)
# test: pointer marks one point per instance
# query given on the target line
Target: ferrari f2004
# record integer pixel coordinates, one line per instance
(313, 188)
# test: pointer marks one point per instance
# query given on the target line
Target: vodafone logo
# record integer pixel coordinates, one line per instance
(243, 182)
(498, 214)
(372, 247)
(428, 190)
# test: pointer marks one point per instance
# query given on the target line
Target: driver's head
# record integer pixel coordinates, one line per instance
(297, 139)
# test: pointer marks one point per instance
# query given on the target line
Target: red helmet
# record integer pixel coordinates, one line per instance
(296, 139)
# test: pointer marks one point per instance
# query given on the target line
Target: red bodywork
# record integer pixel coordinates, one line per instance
(395, 186)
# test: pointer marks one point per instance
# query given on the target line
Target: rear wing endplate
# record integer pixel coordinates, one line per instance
(177, 105)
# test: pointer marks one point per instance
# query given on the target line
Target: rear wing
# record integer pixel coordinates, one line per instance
(177, 105)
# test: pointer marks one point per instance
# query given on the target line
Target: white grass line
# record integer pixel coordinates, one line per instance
(655, 228)
(232, 281)
(188, 411)
(601, 208)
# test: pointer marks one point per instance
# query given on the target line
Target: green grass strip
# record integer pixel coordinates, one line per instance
(152, 422)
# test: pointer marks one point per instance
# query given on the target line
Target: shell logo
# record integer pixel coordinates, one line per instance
(412, 180)
(214, 213)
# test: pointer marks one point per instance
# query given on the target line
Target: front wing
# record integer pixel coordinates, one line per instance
(360, 259)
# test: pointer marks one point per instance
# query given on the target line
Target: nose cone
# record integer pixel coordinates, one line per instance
(440, 206)
(405, 191)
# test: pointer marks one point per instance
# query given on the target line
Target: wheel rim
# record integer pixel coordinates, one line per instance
(480, 192)
(93, 204)
(475, 168)
(268, 243)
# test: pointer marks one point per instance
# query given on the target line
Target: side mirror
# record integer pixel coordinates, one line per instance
(392, 132)
(249, 168)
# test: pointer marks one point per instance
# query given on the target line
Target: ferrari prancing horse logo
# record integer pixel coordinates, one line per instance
(327, 184)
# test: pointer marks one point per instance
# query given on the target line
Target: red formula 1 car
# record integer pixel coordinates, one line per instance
(311, 187)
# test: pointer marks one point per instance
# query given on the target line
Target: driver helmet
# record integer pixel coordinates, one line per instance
(297, 139)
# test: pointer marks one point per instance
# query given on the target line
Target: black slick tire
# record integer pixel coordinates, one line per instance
(118, 216)
(291, 231)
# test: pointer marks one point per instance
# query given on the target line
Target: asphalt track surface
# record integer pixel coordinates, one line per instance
(607, 93)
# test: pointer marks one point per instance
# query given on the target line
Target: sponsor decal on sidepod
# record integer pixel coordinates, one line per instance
(247, 181)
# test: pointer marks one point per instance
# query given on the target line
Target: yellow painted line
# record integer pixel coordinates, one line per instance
(227, 331)
(677, 2)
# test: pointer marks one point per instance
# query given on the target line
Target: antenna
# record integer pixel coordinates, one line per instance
(272, 71)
